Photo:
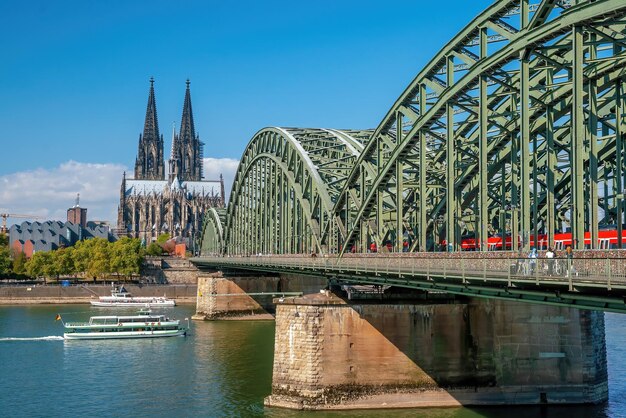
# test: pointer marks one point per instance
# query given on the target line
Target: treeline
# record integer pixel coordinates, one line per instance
(93, 259)
(6, 264)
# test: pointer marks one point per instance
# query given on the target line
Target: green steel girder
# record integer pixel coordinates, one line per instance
(516, 126)
(285, 188)
(398, 142)
(212, 239)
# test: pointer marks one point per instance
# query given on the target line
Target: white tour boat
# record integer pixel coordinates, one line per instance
(121, 298)
(143, 325)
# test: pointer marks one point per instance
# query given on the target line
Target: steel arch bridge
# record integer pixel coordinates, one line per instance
(517, 126)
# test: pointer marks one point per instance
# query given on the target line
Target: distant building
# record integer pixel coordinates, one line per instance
(30, 237)
(76, 214)
(150, 203)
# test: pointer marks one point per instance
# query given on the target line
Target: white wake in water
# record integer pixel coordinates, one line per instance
(48, 338)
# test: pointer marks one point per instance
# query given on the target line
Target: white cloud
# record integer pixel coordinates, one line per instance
(50, 192)
(213, 167)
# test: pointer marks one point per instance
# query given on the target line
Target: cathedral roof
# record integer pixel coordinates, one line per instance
(147, 187)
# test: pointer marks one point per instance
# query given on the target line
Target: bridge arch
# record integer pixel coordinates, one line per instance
(285, 188)
(489, 119)
(517, 126)
(212, 239)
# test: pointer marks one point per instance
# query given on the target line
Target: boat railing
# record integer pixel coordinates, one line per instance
(77, 324)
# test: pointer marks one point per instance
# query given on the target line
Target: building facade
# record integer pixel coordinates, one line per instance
(153, 202)
(76, 214)
(30, 237)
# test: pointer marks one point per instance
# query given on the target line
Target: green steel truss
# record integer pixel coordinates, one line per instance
(516, 126)
(212, 239)
(286, 187)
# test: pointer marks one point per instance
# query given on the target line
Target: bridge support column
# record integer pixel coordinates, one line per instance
(227, 297)
(246, 296)
(337, 354)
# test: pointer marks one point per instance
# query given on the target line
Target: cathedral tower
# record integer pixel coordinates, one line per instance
(150, 163)
(151, 203)
(187, 149)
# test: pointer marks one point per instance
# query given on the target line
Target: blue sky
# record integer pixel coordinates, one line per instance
(74, 74)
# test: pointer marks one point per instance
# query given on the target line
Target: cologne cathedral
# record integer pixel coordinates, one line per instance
(155, 201)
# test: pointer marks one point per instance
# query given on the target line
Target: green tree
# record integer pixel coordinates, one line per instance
(99, 262)
(154, 249)
(19, 263)
(64, 261)
(5, 255)
(126, 256)
(36, 266)
(80, 256)
(5, 260)
(50, 267)
(162, 239)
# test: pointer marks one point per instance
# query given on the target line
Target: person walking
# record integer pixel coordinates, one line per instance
(570, 255)
(550, 257)
(532, 262)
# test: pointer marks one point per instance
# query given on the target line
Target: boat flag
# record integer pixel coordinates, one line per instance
(58, 318)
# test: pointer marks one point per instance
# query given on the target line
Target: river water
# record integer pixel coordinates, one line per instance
(223, 369)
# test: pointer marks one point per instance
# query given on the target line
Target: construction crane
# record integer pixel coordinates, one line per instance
(5, 216)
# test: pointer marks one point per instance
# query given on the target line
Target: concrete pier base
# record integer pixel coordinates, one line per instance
(337, 354)
(246, 297)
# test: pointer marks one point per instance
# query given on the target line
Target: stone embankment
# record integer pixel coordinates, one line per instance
(170, 270)
(53, 294)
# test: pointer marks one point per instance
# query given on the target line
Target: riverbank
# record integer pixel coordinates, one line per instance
(82, 294)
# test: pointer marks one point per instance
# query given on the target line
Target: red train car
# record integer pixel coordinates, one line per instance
(607, 239)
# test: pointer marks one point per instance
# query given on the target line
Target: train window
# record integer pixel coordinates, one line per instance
(604, 244)
(558, 245)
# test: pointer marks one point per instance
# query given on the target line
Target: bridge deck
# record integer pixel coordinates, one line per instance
(590, 283)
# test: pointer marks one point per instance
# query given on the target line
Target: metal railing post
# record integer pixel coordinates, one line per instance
(508, 272)
(536, 272)
(569, 278)
(484, 268)
(463, 269)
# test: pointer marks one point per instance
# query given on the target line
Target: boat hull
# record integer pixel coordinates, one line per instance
(123, 335)
(133, 304)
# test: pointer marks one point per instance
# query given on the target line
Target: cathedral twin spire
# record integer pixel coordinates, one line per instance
(186, 160)
(187, 149)
(149, 164)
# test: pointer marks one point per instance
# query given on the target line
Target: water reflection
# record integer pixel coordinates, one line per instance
(222, 369)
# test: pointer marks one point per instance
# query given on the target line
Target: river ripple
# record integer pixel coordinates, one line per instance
(222, 370)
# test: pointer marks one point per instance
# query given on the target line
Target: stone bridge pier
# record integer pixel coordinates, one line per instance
(334, 353)
(247, 296)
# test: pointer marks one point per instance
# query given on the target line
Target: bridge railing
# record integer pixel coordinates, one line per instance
(600, 272)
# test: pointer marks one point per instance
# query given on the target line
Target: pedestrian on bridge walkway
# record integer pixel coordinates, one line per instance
(550, 257)
(569, 253)
(532, 262)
